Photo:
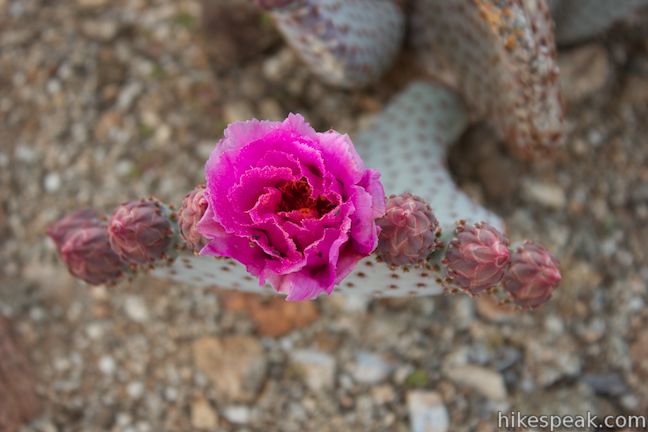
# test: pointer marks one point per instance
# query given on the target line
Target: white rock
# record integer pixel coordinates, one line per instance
(107, 365)
(52, 182)
(135, 389)
(427, 412)
(237, 414)
(370, 368)
(546, 194)
(316, 367)
(136, 309)
(485, 381)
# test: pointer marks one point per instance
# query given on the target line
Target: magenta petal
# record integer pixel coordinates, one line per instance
(244, 195)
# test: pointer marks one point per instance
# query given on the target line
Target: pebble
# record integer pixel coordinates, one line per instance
(136, 309)
(370, 368)
(485, 381)
(427, 412)
(107, 365)
(237, 111)
(546, 194)
(316, 367)
(583, 71)
(135, 389)
(239, 414)
(236, 365)
(52, 182)
(203, 416)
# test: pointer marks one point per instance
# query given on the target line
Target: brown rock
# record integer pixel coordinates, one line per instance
(203, 416)
(235, 32)
(18, 401)
(236, 365)
(273, 316)
(583, 71)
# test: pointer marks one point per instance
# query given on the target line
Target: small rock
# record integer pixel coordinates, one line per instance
(492, 310)
(136, 309)
(107, 365)
(135, 389)
(238, 110)
(128, 95)
(427, 412)
(239, 414)
(583, 71)
(273, 317)
(236, 365)
(485, 381)
(609, 384)
(316, 367)
(203, 416)
(546, 194)
(91, 3)
(52, 182)
(101, 30)
(370, 368)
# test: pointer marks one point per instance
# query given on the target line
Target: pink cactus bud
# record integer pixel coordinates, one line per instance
(62, 228)
(87, 253)
(477, 257)
(408, 231)
(193, 208)
(532, 276)
(140, 231)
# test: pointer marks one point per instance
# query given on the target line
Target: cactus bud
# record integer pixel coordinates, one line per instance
(87, 253)
(140, 231)
(477, 257)
(192, 210)
(532, 276)
(408, 231)
(62, 228)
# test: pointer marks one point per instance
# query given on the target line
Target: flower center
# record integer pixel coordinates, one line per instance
(296, 195)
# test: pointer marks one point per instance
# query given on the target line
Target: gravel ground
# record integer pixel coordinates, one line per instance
(106, 101)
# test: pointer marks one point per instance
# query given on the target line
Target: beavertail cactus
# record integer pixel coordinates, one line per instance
(409, 231)
(142, 231)
(477, 257)
(532, 276)
(346, 43)
(85, 248)
(501, 56)
(192, 210)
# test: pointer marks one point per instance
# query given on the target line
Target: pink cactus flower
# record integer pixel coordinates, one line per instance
(82, 241)
(140, 231)
(298, 208)
(192, 210)
(409, 231)
(533, 275)
(477, 257)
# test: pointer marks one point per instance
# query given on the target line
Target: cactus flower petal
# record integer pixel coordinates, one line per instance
(532, 276)
(192, 210)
